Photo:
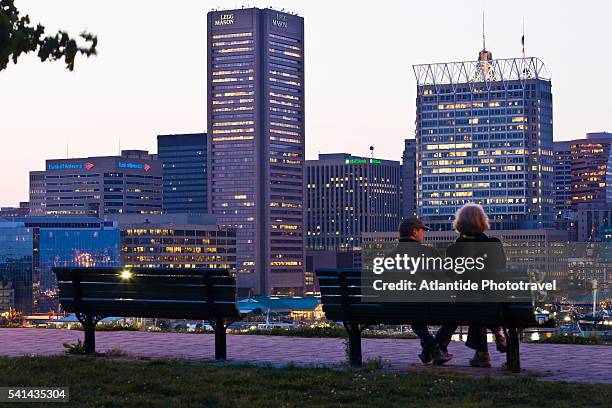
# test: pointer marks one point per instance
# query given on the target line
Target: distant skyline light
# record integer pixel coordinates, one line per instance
(149, 77)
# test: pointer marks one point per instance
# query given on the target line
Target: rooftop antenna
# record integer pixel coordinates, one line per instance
(372, 152)
(484, 48)
(119, 146)
(523, 38)
(67, 156)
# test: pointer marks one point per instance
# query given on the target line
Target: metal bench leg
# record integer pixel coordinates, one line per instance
(513, 359)
(354, 344)
(220, 340)
(89, 322)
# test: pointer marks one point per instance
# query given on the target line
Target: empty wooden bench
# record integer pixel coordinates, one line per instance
(199, 294)
(342, 299)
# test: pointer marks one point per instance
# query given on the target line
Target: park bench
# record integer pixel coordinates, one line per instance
(342, 299)
(199, 294)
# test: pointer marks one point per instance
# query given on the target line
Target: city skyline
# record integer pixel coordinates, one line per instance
(112, 100)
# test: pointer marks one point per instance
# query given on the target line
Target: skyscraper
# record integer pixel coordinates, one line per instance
(563, 183)
(347, 196)
(184, 172)
(409, 179)
(484, 134)
(256, 143)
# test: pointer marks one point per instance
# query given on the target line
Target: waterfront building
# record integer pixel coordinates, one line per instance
(347, 196)
(30, 247)
(184, 172)
(484, 134)
(176, 241)
(7, 297)
(98, 186)
(592, 220)
(255, 87)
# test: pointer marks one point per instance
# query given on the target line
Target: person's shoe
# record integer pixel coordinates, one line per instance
(440, 357)
(481, 359)
(426, 357)
(500, 342)
(446, 353)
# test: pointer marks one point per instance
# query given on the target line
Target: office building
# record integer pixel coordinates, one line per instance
(409, 179)
(256, 143)
(184, 172)
(7, 297)
(30, 247)
(347, 196)
(22, 210)
(591, 169)
(564, 216)
(37, 193)
(176, 241)
(484, 134)
(97, 186)
(592, 220)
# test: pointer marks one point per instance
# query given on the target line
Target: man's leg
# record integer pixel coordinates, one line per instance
(428, 342)
(444, 335)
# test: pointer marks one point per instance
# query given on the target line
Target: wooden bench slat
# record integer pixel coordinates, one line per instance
(66, 273)
(156, 279)
(167, 291)
(227, 294)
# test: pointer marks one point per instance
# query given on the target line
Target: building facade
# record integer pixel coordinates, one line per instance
(37, 193)
(347, 196)
(256, 143)
(176, 241)
(564, 216)
(32, 246)
(592, 220)
(22, 210)
(409, 178)
(184, 172)
(7, 297)
(97, 186)
(484, 134)
(591, 168)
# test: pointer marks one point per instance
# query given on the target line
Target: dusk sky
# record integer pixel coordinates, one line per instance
(149, 75)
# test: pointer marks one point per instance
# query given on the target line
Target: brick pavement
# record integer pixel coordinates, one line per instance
(559, 362)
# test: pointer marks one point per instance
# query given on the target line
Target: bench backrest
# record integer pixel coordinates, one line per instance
(342, 299)
(148, 292)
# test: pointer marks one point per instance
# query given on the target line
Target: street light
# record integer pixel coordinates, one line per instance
(125, 274)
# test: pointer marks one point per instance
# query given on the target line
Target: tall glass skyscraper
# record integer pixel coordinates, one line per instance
(256, 143)
(484, 134)
(184, 173)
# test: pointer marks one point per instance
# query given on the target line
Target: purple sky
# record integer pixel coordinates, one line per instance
(148, 78)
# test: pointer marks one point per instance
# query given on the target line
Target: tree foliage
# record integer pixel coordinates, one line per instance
(19, 37)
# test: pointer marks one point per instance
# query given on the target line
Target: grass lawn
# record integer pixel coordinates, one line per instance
(101, 381)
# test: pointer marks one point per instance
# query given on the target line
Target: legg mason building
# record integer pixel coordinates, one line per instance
(256, 143)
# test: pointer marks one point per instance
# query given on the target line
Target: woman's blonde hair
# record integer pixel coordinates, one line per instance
(471, 220)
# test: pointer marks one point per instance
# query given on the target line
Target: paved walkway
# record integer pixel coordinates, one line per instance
(561, 362)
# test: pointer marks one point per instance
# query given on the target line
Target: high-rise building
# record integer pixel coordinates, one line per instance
(409, 179)
(256, 143)
(563, 184)
(591, 167)
(176, 241)
(484, 134)
(347, 196)
(97, 186)
(30, 247)
(37, 193)
(184, 172)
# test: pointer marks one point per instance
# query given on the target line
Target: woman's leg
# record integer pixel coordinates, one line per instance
(477, 338)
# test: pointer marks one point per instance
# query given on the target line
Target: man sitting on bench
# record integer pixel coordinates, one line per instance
(412, 230)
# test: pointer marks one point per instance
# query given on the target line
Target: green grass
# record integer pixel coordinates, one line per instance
(98, 381)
